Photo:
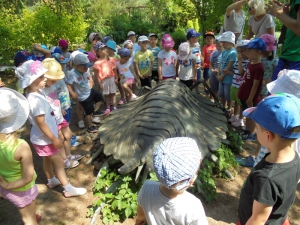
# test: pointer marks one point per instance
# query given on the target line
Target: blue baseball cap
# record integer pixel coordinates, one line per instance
(123, 52)
(55, 49)
(191, 33)
(176, 161)
(278, 113)
(257, 43)
(111, 44)
(106, 39)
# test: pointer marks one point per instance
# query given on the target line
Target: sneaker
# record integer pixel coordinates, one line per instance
(69, 164)
(121, 102)
(133, 96)
(75, 157)
(96, 120)
(115, 108)
(107, 111)
(232, 119)
(238, 123)
(53, 184)
(92, 129)
(74, 143)
(248, 162)
(81, 124)
(249, 137)
(98, 113)
(75, 192)
(76, 138)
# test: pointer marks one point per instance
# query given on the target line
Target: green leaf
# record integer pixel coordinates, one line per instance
(128, 212)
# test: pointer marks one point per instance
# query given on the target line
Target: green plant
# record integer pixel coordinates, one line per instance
(235, 140)
(117, 196)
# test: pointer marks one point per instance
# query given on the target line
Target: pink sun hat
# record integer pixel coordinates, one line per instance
(270, 42)
(167, 41)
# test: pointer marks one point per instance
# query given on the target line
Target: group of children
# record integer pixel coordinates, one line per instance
(236, 71)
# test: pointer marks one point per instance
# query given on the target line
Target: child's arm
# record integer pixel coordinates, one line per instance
(140, 217)
(150, 69)
(240, 64)
(116, 75)
(46, 53)
(249, 101)
(135, 76)
(260, 214)
(72, 92)
(24, 155)
(159, 69)
(195, 70)
(91, 82)
(40, 120)
(227, 71)
(138, 70)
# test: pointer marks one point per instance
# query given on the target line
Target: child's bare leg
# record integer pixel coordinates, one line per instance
(134, 87)
(47, 166)
(28, 214)
(79, 111)
(107, 101)
(67, 134)
(121, 90)
(62, 151)
(236, 109)
(250, 125)
(58, 164)
(127, 88)
(97, 105)
(89, 120)
(114, 99)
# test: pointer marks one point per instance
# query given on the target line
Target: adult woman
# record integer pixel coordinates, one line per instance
(259, 22)
(234, 19)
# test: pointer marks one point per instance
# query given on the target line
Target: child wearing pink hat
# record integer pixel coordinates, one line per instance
(167, 59)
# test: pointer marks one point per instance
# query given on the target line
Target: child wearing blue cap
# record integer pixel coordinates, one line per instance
(176, 162)
(269, 190)
(251, 84)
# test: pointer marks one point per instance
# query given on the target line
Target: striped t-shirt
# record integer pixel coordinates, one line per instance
(155, 52)
(237, 78)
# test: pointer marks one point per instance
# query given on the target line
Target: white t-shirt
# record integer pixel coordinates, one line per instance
(40, 106)
(124, 70)
(186, 70)
(168, 63)
(63, 94)
(184, 209)
(260, 27)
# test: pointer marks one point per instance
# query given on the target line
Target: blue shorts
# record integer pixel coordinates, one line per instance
(224, 91)
(285, 64)
(68, 116)
(214, 83)
(206, 73)
(198, 74)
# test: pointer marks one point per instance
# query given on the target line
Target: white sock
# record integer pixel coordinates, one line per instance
(241, 120)
(53, 180)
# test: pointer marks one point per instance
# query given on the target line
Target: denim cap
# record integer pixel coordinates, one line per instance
(82, 59)
(270, 42)
(228, 36)
(106, 39)
(191, 33)
(176, 160)
(288, 81)
(257, 43)
(60, 58)
(22, 56)
(183, 51)
(111, 44)
(278, 113)
(98, 45)
(123, 52)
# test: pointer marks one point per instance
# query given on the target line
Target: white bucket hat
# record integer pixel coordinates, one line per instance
(228, 36)
(288, 81)
(183, 51)
(14, 110)
(29, 72)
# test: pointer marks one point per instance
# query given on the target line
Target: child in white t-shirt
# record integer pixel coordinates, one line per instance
(127, 74)
(44, 133)
(167, 59)
(186, 68)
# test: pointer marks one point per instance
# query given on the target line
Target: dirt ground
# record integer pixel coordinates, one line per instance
(57, 210)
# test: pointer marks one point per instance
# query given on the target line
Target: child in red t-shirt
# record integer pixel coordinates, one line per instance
(207, 51)
(250, 87)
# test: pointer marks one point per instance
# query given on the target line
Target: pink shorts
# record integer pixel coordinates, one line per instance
(45, 150)
(20, 198)
(173, 77)
(129, 81)
(63, 124)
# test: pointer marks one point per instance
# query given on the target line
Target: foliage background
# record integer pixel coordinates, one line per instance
(24, 22)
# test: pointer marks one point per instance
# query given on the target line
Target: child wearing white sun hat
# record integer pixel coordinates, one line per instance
(17, 175)
(44, 132)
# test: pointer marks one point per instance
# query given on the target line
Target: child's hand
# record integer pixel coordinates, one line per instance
(3, 182)
(138, 82)
(240, 58)
(140, 222)
(142, 77)
(63, 112)
(249, 103)
(74, 95)
(225, 71)
(194, 79)
(57, 143)
(2, 84)
(100, 86)
(220, 78)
